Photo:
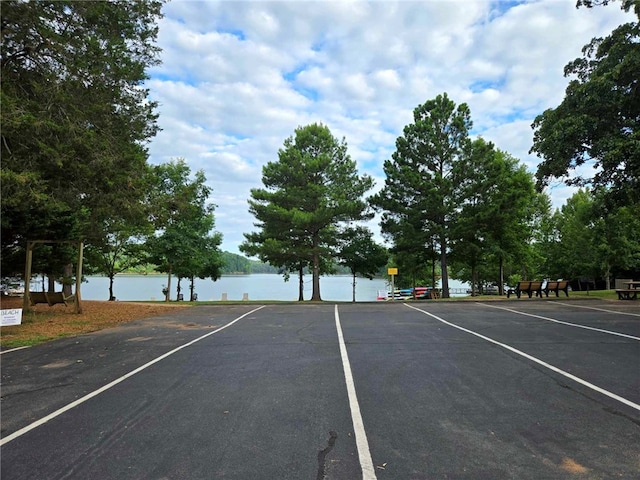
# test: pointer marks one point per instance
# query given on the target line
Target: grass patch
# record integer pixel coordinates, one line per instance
(600, 294)
(45, 323)
(25, 342)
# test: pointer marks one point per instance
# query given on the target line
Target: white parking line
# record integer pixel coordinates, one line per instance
(106, 387)
(577, 325)
(599, 309)
(14, 349)
(536, 360)
(366, 463)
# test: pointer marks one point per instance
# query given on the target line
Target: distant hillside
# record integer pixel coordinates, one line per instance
(234, 264)
(237, 264)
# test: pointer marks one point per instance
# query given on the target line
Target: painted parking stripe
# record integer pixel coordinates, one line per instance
(535, 360)
(106, 387)
(599, 309)
(14, 349)
(364, 455)
(577, 325)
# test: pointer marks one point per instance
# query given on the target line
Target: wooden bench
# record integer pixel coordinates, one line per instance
(528, 287)
(37, 297)
(51, 298)
(627, 293)
(557, 287)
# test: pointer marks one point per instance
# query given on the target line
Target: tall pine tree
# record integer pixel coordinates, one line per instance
(419, 182)
(309, 192)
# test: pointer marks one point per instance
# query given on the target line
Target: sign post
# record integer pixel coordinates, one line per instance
(393, 272)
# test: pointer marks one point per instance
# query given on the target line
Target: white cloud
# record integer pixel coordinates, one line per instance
(239, 76)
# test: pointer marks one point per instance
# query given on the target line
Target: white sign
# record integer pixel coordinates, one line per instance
(10, 317)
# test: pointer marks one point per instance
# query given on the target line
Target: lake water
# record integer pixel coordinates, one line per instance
(257, 286)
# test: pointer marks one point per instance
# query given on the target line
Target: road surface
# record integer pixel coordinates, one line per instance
(524, 389)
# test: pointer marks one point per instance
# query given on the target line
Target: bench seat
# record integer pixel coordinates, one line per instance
(556, 287)
(37, 297)
(51, 298)
(528, 287)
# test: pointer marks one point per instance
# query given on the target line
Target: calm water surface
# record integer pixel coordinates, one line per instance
(256, 286)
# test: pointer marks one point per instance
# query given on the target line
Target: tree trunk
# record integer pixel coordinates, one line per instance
(433, 268)
(68, 273)
(166, 297)
(474, 281)
(178, 289)
(301, 284)
(354, 287)
(443, 266)
(191, 287)
(315, 295)
(51, 281)
(501, 284)
(111, 296)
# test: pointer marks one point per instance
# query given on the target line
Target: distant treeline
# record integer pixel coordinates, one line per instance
(237, 264)
(233, 263)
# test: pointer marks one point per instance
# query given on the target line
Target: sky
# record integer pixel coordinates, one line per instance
(238, 77)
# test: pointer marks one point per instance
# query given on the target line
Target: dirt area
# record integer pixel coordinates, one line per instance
(47, 323)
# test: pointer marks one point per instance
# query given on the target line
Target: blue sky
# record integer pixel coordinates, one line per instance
(238, 77)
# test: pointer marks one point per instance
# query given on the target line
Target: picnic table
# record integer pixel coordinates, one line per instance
(630, 292)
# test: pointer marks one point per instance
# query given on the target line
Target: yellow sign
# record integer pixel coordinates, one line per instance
(392, 271)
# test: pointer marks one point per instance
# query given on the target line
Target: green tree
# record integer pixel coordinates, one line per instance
(278, 242)
(546, 242)
(470, 234)
(539, 262)
(75, 115)
(617, 237)
(590, 238)
(309, 192)
(626, 5)
(118, 249)
(419, 174)
(598, 122)
(183, 243)
(576, 237)
(512, 214)
(360, 254)
(413, 250)
(232, 263)
(199, 254)
(498, 209)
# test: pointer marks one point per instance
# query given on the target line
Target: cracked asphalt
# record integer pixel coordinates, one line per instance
(266, 397)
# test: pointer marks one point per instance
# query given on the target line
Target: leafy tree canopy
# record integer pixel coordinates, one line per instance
(74, 114)
(312, 188)
(498, 206)
(598, 122)
(183, 243)
(419, 188)
(360, 254)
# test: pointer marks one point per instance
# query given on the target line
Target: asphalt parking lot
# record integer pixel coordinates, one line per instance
(524, 389)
